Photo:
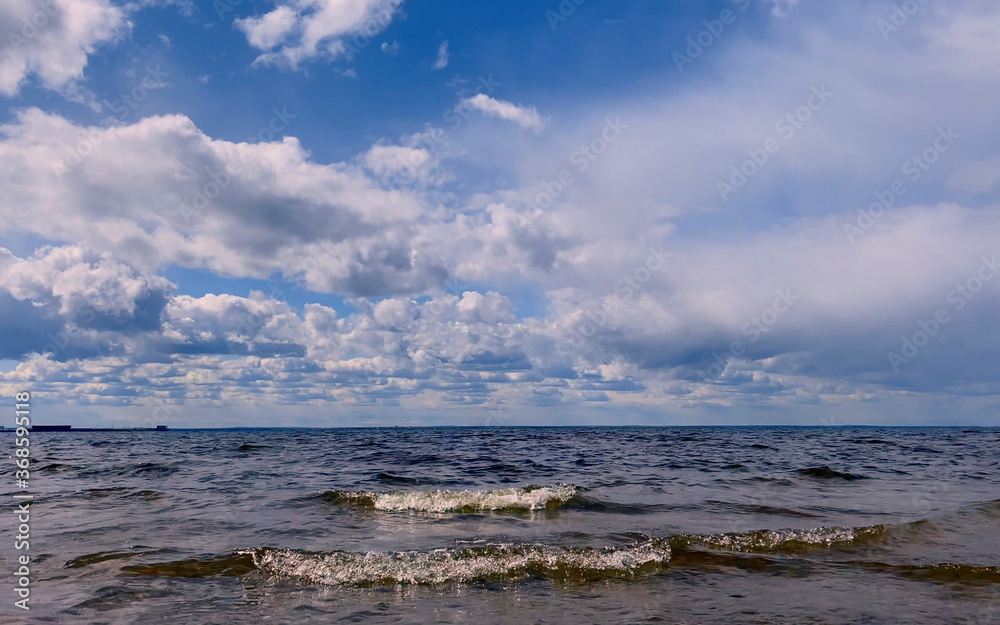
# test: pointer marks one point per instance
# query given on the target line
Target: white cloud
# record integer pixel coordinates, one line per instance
(471, 348)
(300, 30)
(392, 49)
(52, 41)
(441, 61)
(400, 163)
(70, 279)
(160, 191)
(269, 30)
(523, 116)
(71, 303)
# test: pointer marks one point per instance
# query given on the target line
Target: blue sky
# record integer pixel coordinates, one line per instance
(333, 212)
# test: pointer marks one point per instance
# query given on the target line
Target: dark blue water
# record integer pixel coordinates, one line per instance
(512, 525)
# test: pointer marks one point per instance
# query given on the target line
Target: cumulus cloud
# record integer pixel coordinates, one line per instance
(53, 40)
(524, 116)
(800, 322)
(75, 303)
(300, 30)
(400, 162)
(269, 30)
(160, 191)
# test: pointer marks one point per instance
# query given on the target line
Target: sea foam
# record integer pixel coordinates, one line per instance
(783, 540)
(464, 501)
(490, 562)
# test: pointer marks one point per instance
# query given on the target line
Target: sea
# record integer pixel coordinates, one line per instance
(571, 525)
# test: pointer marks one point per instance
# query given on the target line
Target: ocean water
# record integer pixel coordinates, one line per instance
(515, 525)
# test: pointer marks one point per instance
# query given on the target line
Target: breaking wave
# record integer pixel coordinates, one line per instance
(787, 540)
(755, 551)
(486, 563)
(464, 501)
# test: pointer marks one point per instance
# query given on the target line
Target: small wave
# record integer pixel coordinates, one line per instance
(471, 564)
(761, 509)
(105, 556)
(152, 468)
(105, 492)
(463, 502)
(396, 479)
(870, 441)
(762, 479)
(110, 598)
(946, 572)
(423, 459)
(120, 491)
(495, 469)
(252, 447)
(926, 450)
(699, 559)
(779, 541)
(990, 508)
(228, 566)
(145, 495)
(826, 473)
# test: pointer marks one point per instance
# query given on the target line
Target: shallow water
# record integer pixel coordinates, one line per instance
(553, 525)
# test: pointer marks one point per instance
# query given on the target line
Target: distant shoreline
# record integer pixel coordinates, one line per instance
(75, 430)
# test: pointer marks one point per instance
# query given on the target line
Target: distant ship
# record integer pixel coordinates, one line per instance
(69, 428)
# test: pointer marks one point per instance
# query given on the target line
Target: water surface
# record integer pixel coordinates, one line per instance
(502, 525)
